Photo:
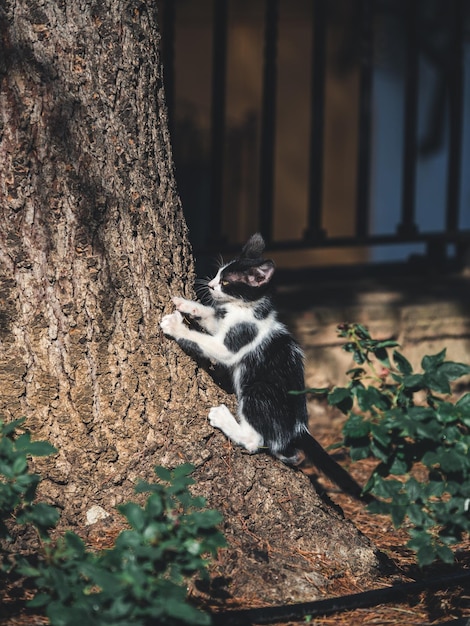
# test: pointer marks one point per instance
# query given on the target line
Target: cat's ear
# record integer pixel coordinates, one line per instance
(261, 275)
(253, 249)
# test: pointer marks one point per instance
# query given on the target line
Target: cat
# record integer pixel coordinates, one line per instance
(241, 332)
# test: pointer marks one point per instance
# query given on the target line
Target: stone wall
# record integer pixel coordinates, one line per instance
(424, 314)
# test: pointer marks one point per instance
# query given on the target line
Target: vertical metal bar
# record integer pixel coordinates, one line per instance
(456, 95)
(314, 230)
(407, 225)
(365, 115)
(219, 75)
(168, 58)
(268, 121)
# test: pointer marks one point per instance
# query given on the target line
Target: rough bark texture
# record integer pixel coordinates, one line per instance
(93, 244)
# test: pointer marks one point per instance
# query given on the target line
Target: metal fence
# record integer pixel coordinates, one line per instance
(451, 58)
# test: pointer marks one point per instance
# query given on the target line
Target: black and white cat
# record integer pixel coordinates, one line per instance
(241, 332)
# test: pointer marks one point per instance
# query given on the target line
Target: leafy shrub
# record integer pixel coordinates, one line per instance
(407, 420)
(18, 486)
(143, 577)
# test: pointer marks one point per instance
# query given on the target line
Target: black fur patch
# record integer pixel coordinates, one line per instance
(220, 312)
(240, 335)
(191, 348)
(262, 309)
(265, 378)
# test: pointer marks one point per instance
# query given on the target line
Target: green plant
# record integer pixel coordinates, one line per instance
(143, 577)
(408, 421)
(18, 487)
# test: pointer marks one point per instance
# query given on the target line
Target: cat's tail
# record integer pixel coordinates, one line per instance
(311, 455)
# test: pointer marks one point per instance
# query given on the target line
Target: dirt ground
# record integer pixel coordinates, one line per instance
(425, 608)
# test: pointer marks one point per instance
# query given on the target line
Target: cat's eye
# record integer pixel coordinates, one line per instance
(224, 283)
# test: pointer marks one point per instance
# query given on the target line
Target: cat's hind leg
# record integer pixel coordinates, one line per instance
(239, 432)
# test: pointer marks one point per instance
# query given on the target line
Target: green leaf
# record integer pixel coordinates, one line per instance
(387, 343)
(414, 489)
(359, 357)
(399, 466)
(8, 429)
(20, 464)
(185, 469)
(430, 458)
(445, 554)
(40, 448)
(364, 397)
(74, 542)
(43, 516)
(163, 473)
(431, 362)
(39, 600)
(321, 391)
(437, 382)
(421, 542)
(380, 399)
(382, 355)
(426, 555)
(357, 453)
(338, 394)
(416, 514)
(403, 365)
(421, 413)
(341, 397)
(356, 427)
(362, 331)
(155, 505)
(134, 515)
(107, 581)
(61, 615)
(34, 448)
(378, 451)
(207, 519)
(398, 513)
(464, 402)
(185, 612)
(428, 430)
(452, 371)
(413, 381)
(386, 488)
(463, 406)
(447, 412)
(381, 434)
(454, 461)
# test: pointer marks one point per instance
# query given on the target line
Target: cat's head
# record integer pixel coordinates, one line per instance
(247, 277)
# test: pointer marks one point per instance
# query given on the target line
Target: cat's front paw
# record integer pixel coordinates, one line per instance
(173, 325)
(187, 306)
(220, 417)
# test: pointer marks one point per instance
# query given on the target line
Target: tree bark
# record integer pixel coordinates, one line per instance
(93, 244)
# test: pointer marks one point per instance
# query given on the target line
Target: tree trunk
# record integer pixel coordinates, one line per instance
(93, 244)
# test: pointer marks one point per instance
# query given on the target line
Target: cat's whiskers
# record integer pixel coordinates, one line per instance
(202, 289)
(219, 262)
